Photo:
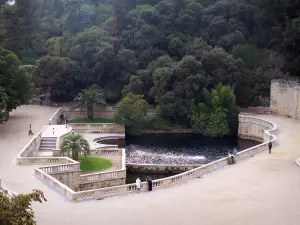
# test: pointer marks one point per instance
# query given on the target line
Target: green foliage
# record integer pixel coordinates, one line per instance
(217, 114)
(74, 145)
(18, 209)
(131, 112)
(89, 99)
(15, 84)
(167, 51)
(90, 164)
(159, 123)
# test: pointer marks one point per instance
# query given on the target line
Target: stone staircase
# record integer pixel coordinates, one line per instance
(47, 144)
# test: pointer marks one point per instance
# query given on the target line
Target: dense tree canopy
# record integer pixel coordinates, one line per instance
(166, 50)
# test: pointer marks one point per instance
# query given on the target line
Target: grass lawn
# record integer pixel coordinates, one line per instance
(90, 163)
(94, 120)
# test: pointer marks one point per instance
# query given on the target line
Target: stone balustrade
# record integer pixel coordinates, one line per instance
(61, 168)
(249, 127)
(30, 150)
(102, 176)
(55, 118)
(98, 127)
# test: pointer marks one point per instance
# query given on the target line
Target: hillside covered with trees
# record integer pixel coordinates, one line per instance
(171, 52)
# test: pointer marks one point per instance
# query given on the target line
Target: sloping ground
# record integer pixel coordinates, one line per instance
(261, 190)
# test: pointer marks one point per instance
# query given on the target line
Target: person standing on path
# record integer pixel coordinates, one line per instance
(138, 184)
(149, 180)
(30, 130)
(270, 147)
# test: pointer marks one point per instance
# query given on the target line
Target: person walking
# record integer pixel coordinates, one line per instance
(138, 184)
(30, 130)
(270, 147)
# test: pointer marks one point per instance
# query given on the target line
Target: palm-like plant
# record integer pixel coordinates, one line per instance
(89, 99)
(75, 144)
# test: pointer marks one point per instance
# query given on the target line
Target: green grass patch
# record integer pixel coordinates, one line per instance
(94, 120)
(89, 163)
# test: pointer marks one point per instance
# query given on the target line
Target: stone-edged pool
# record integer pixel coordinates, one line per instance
(180, 148)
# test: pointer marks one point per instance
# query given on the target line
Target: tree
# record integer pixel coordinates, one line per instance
(89, 99)
(216, 115)
(131, 112)
(75, 144)
(15, 86)
(17, 210)
(3, 105)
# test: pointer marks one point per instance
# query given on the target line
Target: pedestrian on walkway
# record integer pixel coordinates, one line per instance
(270, 147)
(53, 130)
(235, 152)
(149, 180)
(30, 130)
(138, 184)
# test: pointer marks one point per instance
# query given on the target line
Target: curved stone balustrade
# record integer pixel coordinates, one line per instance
(249, 127)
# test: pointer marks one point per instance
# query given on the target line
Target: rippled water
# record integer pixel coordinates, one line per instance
(180, 148)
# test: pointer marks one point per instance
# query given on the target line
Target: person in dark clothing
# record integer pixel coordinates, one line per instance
(30, 130)
(149, 180)
(270, 147)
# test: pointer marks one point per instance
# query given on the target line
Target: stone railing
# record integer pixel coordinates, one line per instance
(30, 150)
(70, 166)
(55, 118)
(54, 183)
(159, 168)
(259, 128)
(102, 176)
(266, 135)
(255, 128)
(98, 127)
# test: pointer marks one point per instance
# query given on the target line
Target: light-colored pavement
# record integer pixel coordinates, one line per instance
(263, 190)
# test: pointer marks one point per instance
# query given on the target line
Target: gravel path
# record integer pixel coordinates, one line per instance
(263, 190)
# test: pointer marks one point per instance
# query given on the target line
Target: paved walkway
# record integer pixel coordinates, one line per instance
(263, 190)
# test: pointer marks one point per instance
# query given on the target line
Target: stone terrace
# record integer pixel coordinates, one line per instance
(263, 190)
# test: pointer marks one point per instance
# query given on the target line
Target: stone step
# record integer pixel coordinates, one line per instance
(49, 138)
(45, 153)
(50, 141)
(46, 148)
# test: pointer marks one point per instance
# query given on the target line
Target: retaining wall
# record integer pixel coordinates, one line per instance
(285, 98)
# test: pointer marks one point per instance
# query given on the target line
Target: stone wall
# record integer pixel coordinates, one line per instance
(97, 127)
(158, 169)
(285, 98)
(252, 128)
